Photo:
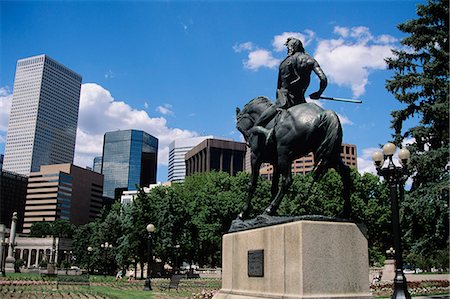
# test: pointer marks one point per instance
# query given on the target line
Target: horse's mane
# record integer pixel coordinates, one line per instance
(261, 102)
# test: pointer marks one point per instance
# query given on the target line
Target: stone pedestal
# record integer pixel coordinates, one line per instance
(388, 270)
(303, 259)
(10, 264)
(10, 260)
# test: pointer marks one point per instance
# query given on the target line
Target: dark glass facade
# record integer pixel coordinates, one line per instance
(13, 191)
(97, 165)
(129, 159)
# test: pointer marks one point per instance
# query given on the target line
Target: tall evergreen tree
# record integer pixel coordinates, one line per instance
(421, 83)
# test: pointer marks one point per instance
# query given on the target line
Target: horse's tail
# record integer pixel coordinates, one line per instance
(330, 147)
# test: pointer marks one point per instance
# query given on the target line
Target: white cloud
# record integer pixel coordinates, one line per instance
(100, 113)
(247, 46)
(344, 120)
(365, 162)
(261, 58)
(348, 60)
(110, 74)
(165, 109)
(279, 40)
(5, 91)
(317, 102)
(386, 39)
(408, 141)
(145, 105)
(342, 31)
(5, 108)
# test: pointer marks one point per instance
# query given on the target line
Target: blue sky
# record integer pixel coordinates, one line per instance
(179, 68)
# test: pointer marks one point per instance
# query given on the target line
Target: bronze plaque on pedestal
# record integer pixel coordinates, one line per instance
(255, 263)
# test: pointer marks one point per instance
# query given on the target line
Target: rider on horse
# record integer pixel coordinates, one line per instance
(293, 79)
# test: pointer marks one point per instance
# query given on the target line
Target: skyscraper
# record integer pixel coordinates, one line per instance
(97, 165)
(63, 191)
(215, 154)
(44, 114)
(129, 159)
(177, 151)
(13, 191)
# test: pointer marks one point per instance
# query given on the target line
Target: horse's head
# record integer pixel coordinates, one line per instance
(246, 118)
(244, 122)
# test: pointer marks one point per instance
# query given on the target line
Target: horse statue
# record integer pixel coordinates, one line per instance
(297, 131)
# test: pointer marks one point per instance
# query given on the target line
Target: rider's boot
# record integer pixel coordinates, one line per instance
(261, 130)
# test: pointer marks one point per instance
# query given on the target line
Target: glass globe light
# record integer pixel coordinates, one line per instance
(404, 155)
(378, 157)
(150, 228)
(389, 149)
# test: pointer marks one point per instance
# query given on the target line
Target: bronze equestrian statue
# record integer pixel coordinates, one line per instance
(291, 128)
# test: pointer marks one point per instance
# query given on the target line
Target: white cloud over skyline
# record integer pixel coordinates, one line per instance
(261, 58)
(247, 46)
(365, 162)
(344, 120)
(279, 40)
(100, 113)
(5, 108)
(165, 109)
(348, 60)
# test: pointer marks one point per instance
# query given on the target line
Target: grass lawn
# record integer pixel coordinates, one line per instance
(111, 292)
(23, 285)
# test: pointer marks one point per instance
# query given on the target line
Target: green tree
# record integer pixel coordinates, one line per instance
(106, 228)
(82, 239)
(421, 83)
(58, 228)
(62, 228)
(212, 201)
(40, 229)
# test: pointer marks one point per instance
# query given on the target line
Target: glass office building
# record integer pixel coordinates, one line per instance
(129, 160)
(177, 150)
(44, 115)
(97, 165)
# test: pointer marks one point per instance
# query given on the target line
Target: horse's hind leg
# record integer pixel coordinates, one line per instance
(344, 172)
(286, 183)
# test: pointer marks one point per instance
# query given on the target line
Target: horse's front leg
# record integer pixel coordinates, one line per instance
(251, 190)
(275, 181)
(286, 183)
(344, 172)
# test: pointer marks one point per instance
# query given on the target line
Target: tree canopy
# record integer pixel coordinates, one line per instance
(191, 217)
(421, 83)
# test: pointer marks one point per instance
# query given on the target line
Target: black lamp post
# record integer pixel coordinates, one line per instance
(89, 250)
(148, 283)
(177, 258)
(105, 246)
(395, 176)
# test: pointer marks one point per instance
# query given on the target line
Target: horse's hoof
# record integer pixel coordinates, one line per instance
(345, 215)
(242, 216)
(269, 211)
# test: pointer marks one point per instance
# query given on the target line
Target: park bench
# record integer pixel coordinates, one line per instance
(173, 283)
(82, 279)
